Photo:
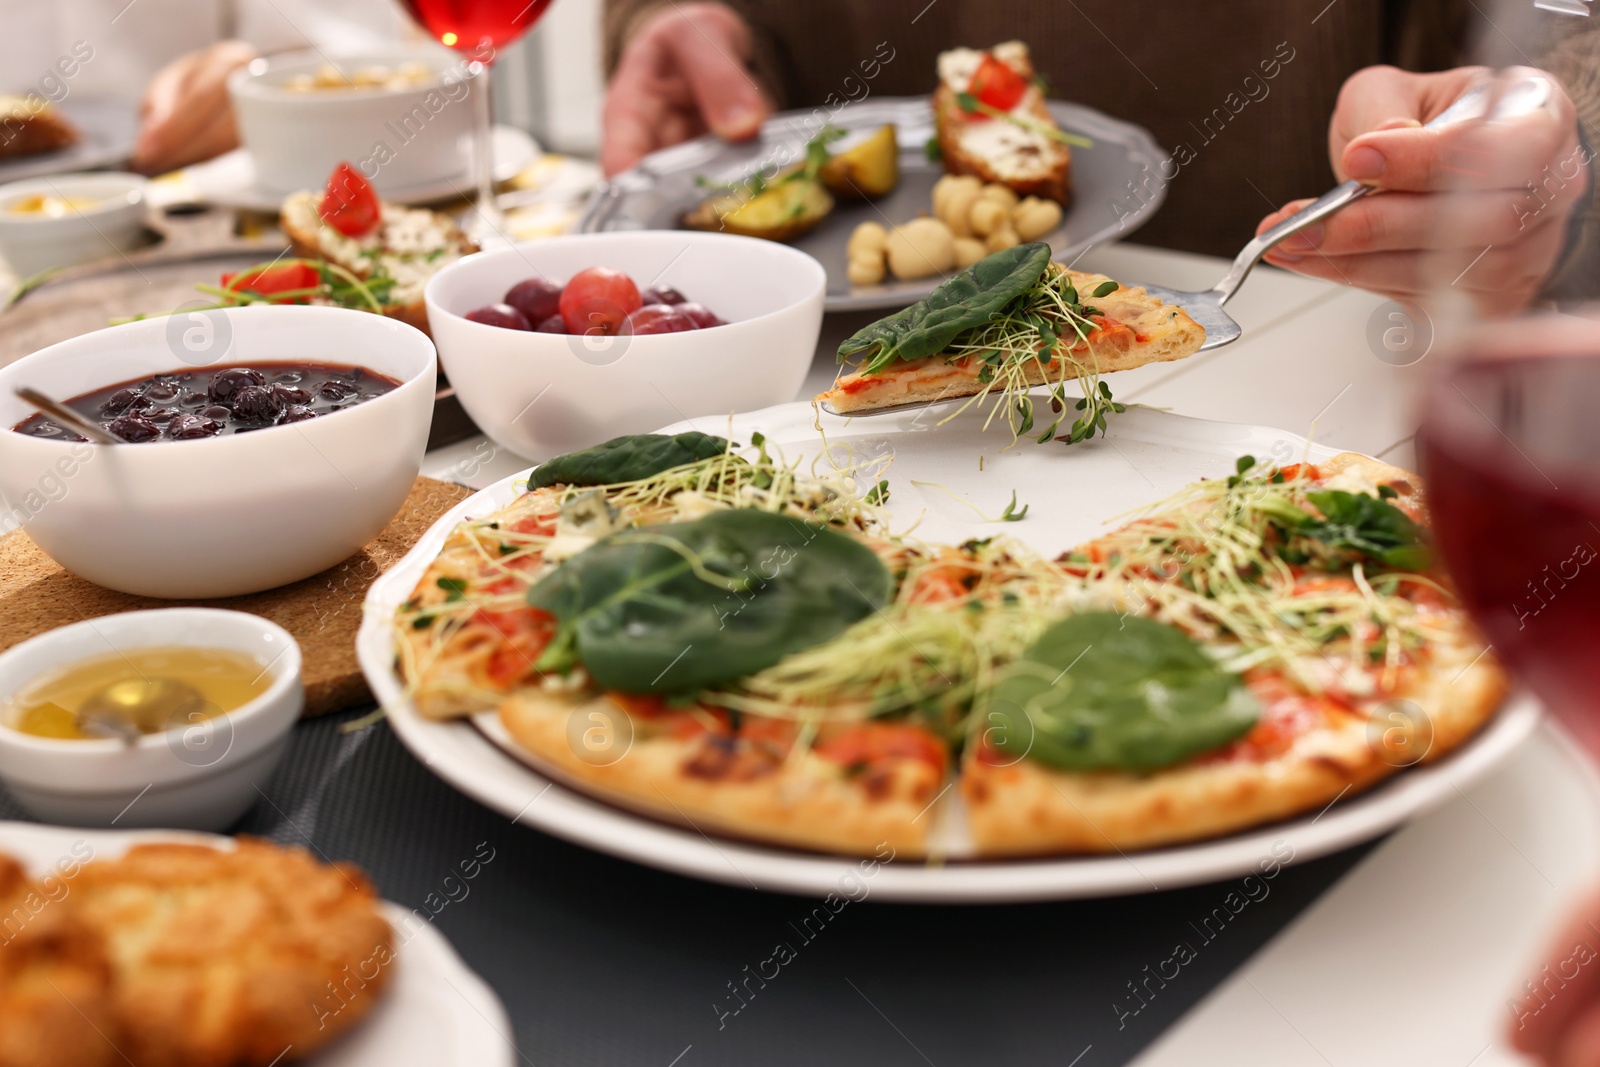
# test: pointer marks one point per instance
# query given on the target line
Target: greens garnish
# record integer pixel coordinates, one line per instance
(679, 607)
(1099, 691)
(626, 459)
(966, 301)
(1011, 311)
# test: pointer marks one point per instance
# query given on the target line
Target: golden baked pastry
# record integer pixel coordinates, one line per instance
(55, 979)
(233, 958)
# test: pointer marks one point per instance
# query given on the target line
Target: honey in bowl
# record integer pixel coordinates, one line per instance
(140, 691)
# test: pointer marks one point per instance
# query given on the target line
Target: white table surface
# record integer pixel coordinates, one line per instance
(1412, 957)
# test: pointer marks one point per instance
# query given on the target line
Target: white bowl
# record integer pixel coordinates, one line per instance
(113, 223)
(542, 394)
(199, 777)
(225, 515)
(395, 137)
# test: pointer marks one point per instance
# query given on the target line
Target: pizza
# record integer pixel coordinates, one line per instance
(1011, 322)
(1253, 648)
(467, 636)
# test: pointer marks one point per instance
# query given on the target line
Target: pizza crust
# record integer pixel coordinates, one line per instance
(807, 802)
(1029, 808)
(1160, 333)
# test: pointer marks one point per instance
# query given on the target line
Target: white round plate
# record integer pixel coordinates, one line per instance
(666, 185)
(436, 1010)
(108, 128)
(230, 179)
(1073, 494)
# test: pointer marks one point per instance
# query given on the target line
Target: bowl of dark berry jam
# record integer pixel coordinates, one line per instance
(261, 445)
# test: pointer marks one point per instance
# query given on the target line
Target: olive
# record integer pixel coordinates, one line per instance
(226, 383)
(257, 403)
(133, 427)
(189, 427)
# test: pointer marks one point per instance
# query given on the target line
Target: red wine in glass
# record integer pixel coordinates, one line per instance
(477, 29)
(1510, 450)
(468, 25)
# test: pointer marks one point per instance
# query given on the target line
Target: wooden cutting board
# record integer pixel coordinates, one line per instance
(323, 612)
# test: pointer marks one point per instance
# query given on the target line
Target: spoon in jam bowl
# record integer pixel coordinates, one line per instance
(67, 417)
(131, 708)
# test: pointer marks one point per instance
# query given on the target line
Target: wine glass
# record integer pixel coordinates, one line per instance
(1510, 448)
(477, 29)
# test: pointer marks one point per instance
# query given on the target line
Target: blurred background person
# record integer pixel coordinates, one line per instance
(1261, 106)
(174, 57)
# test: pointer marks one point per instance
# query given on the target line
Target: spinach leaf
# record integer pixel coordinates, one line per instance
(678, 607)
(1099, 691)
(970, 298)
(1369, 525)
(626, 459)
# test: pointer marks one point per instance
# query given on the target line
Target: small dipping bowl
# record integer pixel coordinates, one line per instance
(198, 776)
(109, 218)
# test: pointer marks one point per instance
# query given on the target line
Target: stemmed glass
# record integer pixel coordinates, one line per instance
(477, 29)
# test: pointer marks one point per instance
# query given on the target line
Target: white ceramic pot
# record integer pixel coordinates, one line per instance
(203, 776)
(396, 137)
(541, 394)
(109, 219)
(224, 515)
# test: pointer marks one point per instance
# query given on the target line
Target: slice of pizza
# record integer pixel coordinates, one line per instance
(1009, 323)
(991, 121)
(467, 635)
(834, 735)
(1266, 645)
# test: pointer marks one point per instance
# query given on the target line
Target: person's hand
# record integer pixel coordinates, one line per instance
(683, 73)
(1558, 1023)
(185, 116)
(1492, 237)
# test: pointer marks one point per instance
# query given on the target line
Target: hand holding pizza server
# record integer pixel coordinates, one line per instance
(1485, 208)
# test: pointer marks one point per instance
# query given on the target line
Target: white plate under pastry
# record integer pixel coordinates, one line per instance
(1073, 494)
(230, 179)
(436, 1011)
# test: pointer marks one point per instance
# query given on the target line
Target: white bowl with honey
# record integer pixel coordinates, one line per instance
(166, 718)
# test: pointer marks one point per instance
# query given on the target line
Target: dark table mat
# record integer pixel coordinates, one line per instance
(604, 963)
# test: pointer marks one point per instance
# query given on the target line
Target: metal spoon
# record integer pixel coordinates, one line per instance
(67, 417)
(132, 708)
(1518, 96)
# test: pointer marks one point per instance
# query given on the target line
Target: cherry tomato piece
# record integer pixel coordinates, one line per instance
(503, 315)
(348, 203)
(597, 300)
(995, 83)
(536, 298)
(278, 278)
(658, 318)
